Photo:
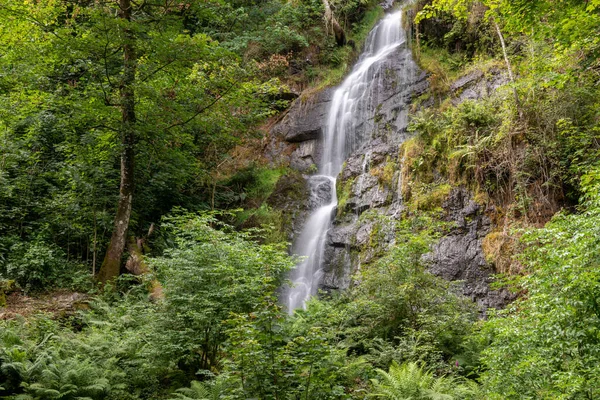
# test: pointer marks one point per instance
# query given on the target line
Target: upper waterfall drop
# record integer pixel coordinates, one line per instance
(349, 124)
(352, 104)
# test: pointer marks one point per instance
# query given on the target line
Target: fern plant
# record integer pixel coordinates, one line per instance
(202, 391)
(68, 380)
(411, 381)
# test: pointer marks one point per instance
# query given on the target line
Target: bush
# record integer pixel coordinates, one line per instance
(35, 264)
(207, 275)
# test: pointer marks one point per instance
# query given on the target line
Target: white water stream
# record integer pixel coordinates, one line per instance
(345, 130)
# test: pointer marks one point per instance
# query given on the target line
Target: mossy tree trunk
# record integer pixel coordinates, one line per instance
(111, 265)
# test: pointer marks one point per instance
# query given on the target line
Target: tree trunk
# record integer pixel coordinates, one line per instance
(508, 66)
(111, 265)
(338, 31)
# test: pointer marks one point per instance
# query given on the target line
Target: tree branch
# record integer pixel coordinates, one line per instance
(508, 66)
(212, 103)
(144, 79)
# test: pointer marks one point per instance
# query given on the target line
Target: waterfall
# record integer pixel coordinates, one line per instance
(349, 124)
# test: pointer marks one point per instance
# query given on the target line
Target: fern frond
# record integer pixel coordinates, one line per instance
(202, 391)
(411, 381)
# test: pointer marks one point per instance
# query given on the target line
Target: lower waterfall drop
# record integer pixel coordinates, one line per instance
(348, 125)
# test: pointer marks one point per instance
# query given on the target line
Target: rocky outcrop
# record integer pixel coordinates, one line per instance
(292, 197)
(459, 256)
(478, 85)
(396, 86)
(393, 89)
(342, 235)
(369, 181)
(305, 156)
(304, 120)
(294, 140)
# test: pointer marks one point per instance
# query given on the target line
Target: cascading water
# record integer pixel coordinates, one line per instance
(349, 121)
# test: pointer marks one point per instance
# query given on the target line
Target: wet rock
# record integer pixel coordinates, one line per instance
(398, 83)
(304, 120)
(363, 184)
(387, 4)
(459, 256)
(379, 151)
(353, 166)
(371, 154)
(321, 191)
(367, 193)
(396, 209)
(374, 198)
(363, 233)
(337, 270)
(341, 235)
(304, 158)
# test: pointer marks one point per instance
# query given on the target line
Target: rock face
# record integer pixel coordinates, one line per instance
(477, 85)
(306, 155)
(459, 256)
(304, 120)
(321, 190)
(368, 181)
(394, 87)
(292, 196)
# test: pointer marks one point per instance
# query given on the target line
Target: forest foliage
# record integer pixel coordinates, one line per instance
(206, 76)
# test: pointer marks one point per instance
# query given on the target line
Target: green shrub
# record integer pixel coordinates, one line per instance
(203, 391)
(207, 275)
(36, 264)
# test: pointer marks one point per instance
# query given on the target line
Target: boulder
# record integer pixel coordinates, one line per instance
(367, 193)
(337, 269)
(341, 235)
